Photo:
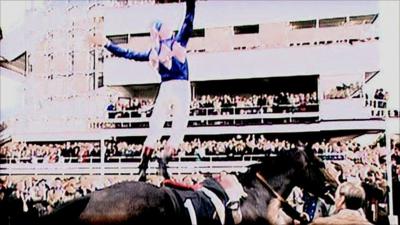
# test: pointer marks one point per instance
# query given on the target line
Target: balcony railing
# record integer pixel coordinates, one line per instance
(232, 110)
(222, 116)
(379, 108)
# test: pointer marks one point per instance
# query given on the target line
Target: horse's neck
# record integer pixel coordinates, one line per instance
(281, 183)
(255, 206)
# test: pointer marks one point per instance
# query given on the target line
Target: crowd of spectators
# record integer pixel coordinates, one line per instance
(352, 90)
(86, 152)
(396, 176)
(40, 195)
(378, 103)
(266, 103)
(126, 107)
(75, 152)
(232, 148)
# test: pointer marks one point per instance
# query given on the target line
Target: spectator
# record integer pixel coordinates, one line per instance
(223, 105)
(348, 203)
(344, 91)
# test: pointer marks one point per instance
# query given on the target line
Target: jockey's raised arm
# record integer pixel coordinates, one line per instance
(187, 27)
(127, 53)
(117, 50)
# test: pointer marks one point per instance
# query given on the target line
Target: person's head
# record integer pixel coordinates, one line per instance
(160, 31)
(349, 196)
(57, 183)
(397, 148)
(20, 186)
(187, 180)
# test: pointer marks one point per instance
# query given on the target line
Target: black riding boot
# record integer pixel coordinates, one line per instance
(163, 162)
(142, 175)
(163, 169)
(144, 163)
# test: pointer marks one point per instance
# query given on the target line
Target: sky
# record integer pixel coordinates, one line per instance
(12, 15)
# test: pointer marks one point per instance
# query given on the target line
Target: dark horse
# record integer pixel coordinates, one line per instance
(137, 203)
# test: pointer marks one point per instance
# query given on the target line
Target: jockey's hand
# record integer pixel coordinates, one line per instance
(97, 40)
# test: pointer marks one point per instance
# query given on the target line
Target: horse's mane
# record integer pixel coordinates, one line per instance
(280, 162)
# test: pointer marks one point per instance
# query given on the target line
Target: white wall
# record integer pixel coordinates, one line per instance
(326, 61)
(227, 13)
(347, 109)
(389, 51)
(11, 93)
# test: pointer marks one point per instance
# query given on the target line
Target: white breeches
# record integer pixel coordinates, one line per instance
(175, 93)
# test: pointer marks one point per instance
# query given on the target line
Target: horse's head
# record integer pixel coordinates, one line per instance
(298, 167)
(312, 176)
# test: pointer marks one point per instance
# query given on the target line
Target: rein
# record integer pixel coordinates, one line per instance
(269, 187)
(288, 209)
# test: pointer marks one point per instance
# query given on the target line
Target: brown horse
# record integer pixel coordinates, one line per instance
(137, 203)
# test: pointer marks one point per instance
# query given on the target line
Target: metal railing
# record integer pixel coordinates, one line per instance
(211, 116)
(178, 159)
(379, 108)
(182, 165)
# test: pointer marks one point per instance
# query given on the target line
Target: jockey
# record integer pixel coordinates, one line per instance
(168, 58)
(222, 191)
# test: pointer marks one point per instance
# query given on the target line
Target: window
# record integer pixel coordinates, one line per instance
(141, 35)
(72, 58)
(303, 24)
(92, 81)
(332, 22)
(119, 39)
(198, 33)
(247, 29)
(195, 33)
(93, 58)
(29, 64)
(167, 1)
(101, 56)
(98, 19)
(100, 80)
(95, 5)
(364, 19)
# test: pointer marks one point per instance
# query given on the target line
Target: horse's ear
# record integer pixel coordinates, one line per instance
(310, 153)
(312, 156)
(305, 147)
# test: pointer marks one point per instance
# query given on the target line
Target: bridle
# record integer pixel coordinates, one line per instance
(287, 208)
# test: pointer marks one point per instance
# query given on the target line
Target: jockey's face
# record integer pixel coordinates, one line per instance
(160, 31)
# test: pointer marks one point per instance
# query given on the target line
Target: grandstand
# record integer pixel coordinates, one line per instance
(260, 82)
